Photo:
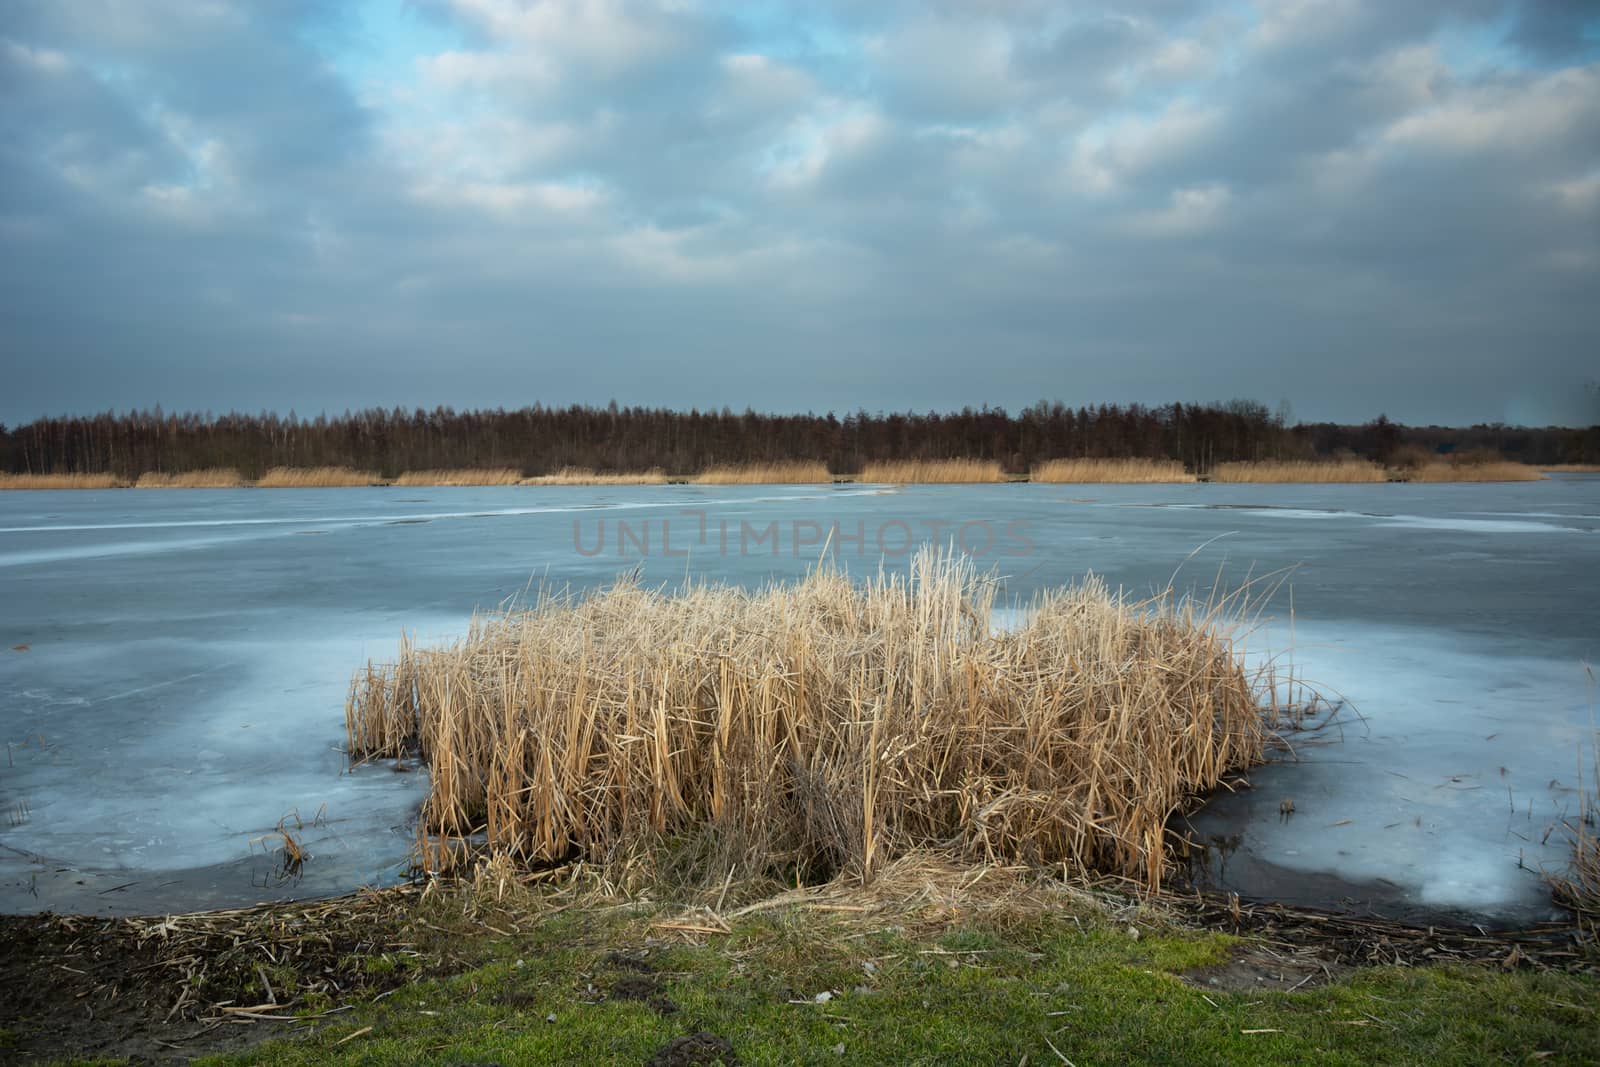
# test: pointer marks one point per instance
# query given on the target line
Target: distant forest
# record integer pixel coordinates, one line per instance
(542, 440)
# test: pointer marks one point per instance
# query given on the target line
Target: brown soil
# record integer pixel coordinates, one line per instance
(694, 1049)
(1257, 967)
(164, 990)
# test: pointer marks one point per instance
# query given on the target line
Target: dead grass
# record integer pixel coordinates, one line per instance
(955, 471)
(798, 472)
(1570, 468)
(1499, 471)
(461, 476)
(1348, 470)
(1579, 887)
(60, 481)
(315, 477)
(211, 478)
(585, 476)
(819, 728)
(1110, 470)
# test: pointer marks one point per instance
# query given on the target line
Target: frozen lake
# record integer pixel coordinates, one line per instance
(184, 656)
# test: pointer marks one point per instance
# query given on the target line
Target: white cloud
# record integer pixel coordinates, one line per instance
(516, 201)
(1580, 195)
(1504, 118)
(1187, 212)
(1109, 153)
(816, 142)
(541, 43)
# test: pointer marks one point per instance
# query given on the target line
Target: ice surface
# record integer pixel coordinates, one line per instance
(189, 653)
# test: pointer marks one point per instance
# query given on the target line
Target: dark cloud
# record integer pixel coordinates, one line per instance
(1357, 205)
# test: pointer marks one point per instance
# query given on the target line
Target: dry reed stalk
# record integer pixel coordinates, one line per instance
(1110, 470)
(821, 727)
(1500, 471)
(60, 481)
(461, 476)
(584, 476)
(950, 471)
(1350, 470)
(211, 478)
(797, 472)
(315, 477)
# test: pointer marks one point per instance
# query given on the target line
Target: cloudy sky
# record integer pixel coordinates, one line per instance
(1354, 205)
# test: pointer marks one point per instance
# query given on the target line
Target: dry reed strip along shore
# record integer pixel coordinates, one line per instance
(1060, 471)
(585, 476)
(821, 727)
(1300, 471)
(315, 477)
(60, 481)
(933, 472)
(797, 473)
(461, 476)
(1113, 471)
(210, 478)
(1474, 472)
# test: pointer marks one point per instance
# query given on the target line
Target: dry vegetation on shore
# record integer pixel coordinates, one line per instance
(820, 727)
(308, 477)
(211, 478)
(60, 481)
(461, 476)
(1349, 470)
(1087, 471)
(799, 472)
(1495, 471)
(948, 471)
(584, 476)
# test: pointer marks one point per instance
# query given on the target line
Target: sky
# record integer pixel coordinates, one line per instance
(1348, 206)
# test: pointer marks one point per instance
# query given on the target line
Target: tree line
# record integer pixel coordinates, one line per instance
(540, 440)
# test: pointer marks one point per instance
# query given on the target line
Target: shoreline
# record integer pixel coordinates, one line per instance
(483, 966)
(54, 483)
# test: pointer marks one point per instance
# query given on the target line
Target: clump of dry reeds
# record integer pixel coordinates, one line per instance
(585, 476)
(1570, 468)
(799, 471)
(1345, 470)
(461, 476)
(1110, 470)
(211, 478)
(820, 727)
(955, 471)
(314, 477)
(60, 481)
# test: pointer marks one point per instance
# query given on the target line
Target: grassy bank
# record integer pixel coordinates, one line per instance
(1110, 471)
(931, 965)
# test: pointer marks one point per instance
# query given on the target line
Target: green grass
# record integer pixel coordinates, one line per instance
(967, 993)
